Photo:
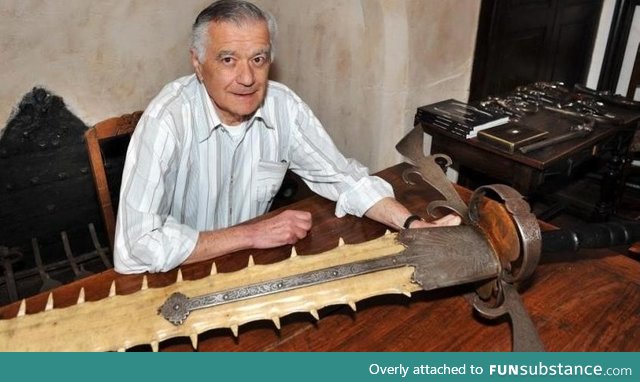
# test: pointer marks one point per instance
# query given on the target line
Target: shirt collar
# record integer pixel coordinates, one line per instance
(213, 122)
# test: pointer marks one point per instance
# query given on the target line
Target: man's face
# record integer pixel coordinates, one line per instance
(235, 70)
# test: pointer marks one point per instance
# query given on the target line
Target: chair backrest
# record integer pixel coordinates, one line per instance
(109, 128)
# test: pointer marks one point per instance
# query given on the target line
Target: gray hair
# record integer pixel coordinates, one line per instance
(235, 11)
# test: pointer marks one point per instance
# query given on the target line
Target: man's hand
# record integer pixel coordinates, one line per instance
(448, 220)
(285, 228)
(388, 211)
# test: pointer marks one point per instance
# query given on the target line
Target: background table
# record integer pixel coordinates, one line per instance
(604, 150)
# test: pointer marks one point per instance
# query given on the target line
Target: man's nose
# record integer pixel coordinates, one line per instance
(245, 75)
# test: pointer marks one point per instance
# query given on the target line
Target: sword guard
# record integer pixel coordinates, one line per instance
(518, 265)
(524, 334)
(510, 226)
(431, 169)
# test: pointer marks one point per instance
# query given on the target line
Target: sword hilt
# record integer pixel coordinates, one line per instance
(602, 235)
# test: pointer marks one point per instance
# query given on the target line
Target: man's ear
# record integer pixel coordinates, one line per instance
(196, 64)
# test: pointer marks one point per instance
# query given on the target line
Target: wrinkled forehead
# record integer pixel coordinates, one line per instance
(249, 36)
(244, 28)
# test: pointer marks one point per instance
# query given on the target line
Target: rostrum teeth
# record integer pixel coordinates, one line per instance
(80, 297)
(22, 310)
(145, 283)
(49, 305)
(136, 313)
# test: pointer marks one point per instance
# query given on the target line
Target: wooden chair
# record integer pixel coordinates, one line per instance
(107, 129)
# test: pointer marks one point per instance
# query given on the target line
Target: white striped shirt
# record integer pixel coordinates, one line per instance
(184, 172)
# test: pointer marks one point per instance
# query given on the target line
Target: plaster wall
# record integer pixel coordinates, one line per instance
(362, 65)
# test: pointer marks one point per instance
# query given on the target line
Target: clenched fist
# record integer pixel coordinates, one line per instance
(285, 228)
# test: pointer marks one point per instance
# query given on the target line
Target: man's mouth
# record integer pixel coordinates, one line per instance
(244, 94)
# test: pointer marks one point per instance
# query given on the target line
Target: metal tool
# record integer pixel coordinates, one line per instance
(608, 97)
(584, 111)
(577, 131)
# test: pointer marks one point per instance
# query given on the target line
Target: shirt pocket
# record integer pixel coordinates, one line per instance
(268, 182)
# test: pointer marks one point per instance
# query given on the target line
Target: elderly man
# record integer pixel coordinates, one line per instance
(211, 151)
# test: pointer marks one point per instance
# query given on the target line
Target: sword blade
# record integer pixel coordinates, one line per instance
(429, 259)
(436, 264)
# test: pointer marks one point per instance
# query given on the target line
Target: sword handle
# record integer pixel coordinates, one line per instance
(602, 235)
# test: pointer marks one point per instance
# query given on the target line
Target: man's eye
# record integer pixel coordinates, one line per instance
(226, 60)
(260, 60)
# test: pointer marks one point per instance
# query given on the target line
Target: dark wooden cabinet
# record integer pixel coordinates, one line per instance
(524, 41)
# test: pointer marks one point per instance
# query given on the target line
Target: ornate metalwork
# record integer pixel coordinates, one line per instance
(526, 224)
(505, 299)
(431, 172)
(498, 297)
(524, 333)
(557, 97)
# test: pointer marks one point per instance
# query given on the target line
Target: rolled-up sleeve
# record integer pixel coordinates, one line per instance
(147, 237)
(315, 157)
(362, 196)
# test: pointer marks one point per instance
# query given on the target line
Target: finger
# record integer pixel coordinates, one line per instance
(302, 219)
(294, 225)
(301, 233)
(445, 221)
(448, 220)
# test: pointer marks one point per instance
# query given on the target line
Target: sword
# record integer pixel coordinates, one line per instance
(495, 252)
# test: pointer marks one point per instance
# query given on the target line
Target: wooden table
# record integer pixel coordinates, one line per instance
(607, 144)
(578, 302)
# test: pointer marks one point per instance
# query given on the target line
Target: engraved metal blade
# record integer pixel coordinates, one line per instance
(412, 147)
(440, 263)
